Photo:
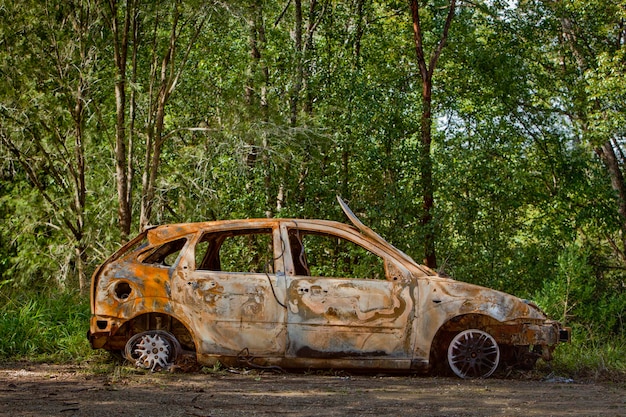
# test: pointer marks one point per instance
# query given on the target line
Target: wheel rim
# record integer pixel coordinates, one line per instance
(473, 354)
(154, 350)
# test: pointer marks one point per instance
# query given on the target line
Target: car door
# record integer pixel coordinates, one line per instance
(234, 285)
(344, 300)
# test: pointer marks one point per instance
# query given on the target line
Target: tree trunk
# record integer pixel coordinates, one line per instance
(426, 170)
(425, 159)
(167, 79)
(311, 26)
(120, 48)
(80, 190)
(130, 168)
(606, 152)
(254, 101)
(258, 107)
(298, 61)
(77, 170)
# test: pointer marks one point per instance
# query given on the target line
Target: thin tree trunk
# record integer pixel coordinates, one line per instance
(426, 169)
(308, 48)
(120, 48)
(78, 169)
(298, 60)
(256, 89)
(424, 152)
(168, 78)
(130, 169)
(252, 101)
(606, 152)
(80, 192)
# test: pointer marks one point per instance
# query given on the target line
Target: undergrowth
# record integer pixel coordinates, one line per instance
(591, 357)
(46, 327)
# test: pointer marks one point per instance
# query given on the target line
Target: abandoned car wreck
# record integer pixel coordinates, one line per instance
(304, 294)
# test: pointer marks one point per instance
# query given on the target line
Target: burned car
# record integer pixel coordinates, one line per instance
(297, 293)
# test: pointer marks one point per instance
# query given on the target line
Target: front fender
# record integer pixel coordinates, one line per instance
(444, 300)
(449, 298)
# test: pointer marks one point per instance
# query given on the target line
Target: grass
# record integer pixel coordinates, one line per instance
(44, 327)
(589, 358)
(52, 328)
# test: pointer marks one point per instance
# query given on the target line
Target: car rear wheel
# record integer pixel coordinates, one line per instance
(155, 350)
(473, 353)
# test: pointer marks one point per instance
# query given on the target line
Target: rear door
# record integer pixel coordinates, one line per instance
(344, 300)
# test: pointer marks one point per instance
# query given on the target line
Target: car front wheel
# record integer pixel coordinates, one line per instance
(473, 353)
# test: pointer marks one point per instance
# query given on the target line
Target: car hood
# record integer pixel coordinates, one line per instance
(379, 239)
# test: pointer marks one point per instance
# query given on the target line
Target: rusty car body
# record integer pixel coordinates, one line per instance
(303, 294)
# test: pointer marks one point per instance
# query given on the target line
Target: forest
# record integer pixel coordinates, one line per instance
(484, 138)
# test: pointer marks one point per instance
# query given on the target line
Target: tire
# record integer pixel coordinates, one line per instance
(473, 353)
(154, 349)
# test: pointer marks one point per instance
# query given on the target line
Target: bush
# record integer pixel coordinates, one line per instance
(578, 295)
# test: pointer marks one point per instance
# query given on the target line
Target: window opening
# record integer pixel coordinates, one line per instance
(166, 254)
(325, 255)
(236, 251)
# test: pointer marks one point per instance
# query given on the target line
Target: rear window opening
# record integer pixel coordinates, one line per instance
(166, 254)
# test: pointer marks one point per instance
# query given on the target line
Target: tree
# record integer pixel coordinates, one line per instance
(125, 35)
(591, 51)
(427, 67)
(165, 73)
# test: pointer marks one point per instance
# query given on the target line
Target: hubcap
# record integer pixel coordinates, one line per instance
(473, 354)
(152, 351)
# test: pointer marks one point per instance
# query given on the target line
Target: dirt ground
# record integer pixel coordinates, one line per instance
(28, 389)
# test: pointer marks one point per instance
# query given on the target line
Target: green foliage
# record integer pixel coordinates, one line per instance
(568, 293)
(52, 327)
(523, 98)
(330, 257)
(577, 295)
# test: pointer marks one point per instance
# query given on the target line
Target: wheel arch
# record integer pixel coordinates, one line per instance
(447, 331)
(159, 321)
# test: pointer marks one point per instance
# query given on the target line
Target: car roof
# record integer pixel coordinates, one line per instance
(167, 232)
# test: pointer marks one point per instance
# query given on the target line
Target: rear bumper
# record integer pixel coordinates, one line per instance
(101, 331)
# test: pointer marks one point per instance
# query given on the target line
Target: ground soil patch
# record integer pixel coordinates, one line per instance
(28, 389)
